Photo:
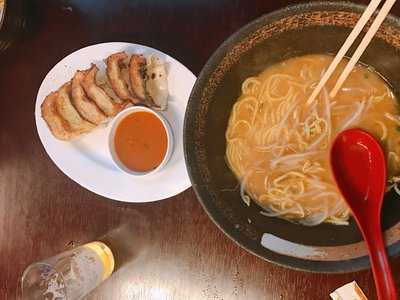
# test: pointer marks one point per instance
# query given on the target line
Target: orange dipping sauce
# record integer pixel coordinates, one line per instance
(141, 141)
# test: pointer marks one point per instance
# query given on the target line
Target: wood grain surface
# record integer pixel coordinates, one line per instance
(165, 250)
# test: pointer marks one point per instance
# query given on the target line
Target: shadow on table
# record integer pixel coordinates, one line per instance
(126, 244)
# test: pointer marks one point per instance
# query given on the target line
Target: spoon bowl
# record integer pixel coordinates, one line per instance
(359, 167)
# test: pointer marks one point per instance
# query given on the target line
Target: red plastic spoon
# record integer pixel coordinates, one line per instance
(359, 168)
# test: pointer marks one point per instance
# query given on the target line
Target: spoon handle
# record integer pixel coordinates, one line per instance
(384, 282)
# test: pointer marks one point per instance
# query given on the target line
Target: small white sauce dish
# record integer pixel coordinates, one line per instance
(111, 145)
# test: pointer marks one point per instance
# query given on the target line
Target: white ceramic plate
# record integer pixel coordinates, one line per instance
(87, 160)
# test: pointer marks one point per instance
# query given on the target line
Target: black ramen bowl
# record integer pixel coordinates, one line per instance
(319, 27)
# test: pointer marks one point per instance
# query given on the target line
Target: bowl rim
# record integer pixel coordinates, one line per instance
(340, 266)
(111, 147)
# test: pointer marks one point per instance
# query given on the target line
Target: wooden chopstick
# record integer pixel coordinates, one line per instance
(363, 45)
(372, 6)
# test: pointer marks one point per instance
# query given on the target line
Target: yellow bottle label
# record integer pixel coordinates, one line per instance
(106, 256)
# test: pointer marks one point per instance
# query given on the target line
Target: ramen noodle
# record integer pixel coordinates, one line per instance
(278, 146)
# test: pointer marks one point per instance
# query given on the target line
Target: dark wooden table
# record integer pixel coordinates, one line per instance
(168, 249)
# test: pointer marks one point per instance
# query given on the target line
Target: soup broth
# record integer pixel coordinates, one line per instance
(278, 145)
